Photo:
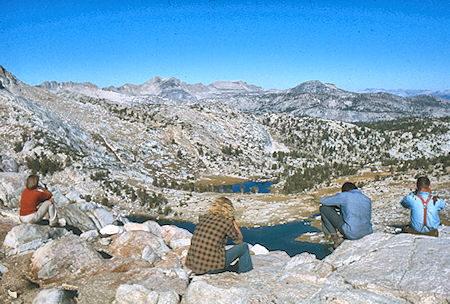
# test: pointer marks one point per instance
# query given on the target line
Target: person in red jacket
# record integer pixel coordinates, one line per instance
(36, 202)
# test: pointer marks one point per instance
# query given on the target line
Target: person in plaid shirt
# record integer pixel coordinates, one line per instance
(207, 252)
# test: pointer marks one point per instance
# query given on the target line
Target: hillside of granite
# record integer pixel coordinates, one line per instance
(144, 263)
(159, 158)
(153, 150)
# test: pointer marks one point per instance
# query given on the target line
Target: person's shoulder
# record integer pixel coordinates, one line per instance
(410, 195)
(211, 217)
(436, 198)
(358, 193)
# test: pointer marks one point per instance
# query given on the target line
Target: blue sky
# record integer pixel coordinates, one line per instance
(273, 44)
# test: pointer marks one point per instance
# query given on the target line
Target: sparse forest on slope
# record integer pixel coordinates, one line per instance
(135, 153)
(322, 149)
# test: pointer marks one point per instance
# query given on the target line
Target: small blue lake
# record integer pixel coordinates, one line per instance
(245, 187)
(278, 237)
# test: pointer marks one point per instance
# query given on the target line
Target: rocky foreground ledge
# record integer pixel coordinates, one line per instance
(144, 263)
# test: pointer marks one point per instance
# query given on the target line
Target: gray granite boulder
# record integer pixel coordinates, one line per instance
(90, 235)
(133, 243)
(154, 228)
(11, 187)
(8, 164)
(132, 294)
(379, 268)
(63, 257)
(102, 217)
(138, 294)
(28, 237)
(176, 237)
(404, 266)
(55, 296)
(3, 269)
(77, 215)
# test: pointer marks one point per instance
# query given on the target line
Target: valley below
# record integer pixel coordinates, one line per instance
(165, 150)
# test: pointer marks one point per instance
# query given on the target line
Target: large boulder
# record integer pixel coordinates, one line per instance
(102, 217)
(132, 244)
(75, 196)
(3, 269)
(405, 266)
(55, 296)
(261, 285)
(60, 199)
(77, 215)
(25, 238)
(138, 294)
(131, 226)
(134, 294)
(11, 187)
(117, 271)
(154, 227)
(176, 237)
(379, 268)
(64, 257)
(8, 164)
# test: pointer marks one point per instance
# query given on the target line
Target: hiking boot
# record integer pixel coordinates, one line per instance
(336, 241)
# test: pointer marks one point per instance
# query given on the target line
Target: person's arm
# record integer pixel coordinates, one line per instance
(236, 235)
(334, 200)
(405, 202)
(45, 195)
(238, 231)
(441, 204)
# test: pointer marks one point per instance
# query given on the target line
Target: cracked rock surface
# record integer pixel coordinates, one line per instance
(380, 268)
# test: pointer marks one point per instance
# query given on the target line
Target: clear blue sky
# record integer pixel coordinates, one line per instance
(274, 44)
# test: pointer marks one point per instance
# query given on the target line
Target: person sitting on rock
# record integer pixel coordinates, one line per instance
(348, 212)
(36, 202)
(207, 253)
(424, 209)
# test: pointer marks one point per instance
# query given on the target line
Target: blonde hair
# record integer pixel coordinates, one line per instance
(32, 182)
(223, 207)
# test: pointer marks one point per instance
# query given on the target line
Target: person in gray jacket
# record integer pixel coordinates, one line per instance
(348, 212)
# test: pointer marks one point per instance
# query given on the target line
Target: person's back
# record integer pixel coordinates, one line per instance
(353, 220)
(357, 212)
(424, 207)
(207, 252)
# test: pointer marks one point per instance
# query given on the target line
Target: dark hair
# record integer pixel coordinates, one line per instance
(348, 186)
(423, 182)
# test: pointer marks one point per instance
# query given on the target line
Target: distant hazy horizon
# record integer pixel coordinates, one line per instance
(273, 44)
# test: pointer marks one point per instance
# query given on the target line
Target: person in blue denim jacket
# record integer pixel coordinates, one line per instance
(348, 212)
(424, 209)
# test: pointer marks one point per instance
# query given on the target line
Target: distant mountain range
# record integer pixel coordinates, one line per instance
(410, 93)
(311, 98)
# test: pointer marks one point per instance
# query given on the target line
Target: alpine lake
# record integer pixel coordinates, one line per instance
(277, 237)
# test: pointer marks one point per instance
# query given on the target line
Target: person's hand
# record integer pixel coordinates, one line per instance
(51, 201)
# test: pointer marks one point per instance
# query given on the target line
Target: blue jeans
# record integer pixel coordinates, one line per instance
(243, 265)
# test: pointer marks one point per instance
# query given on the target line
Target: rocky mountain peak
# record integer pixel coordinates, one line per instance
(9, 81)
(316, 87)
(234, 86)
(54, 86)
